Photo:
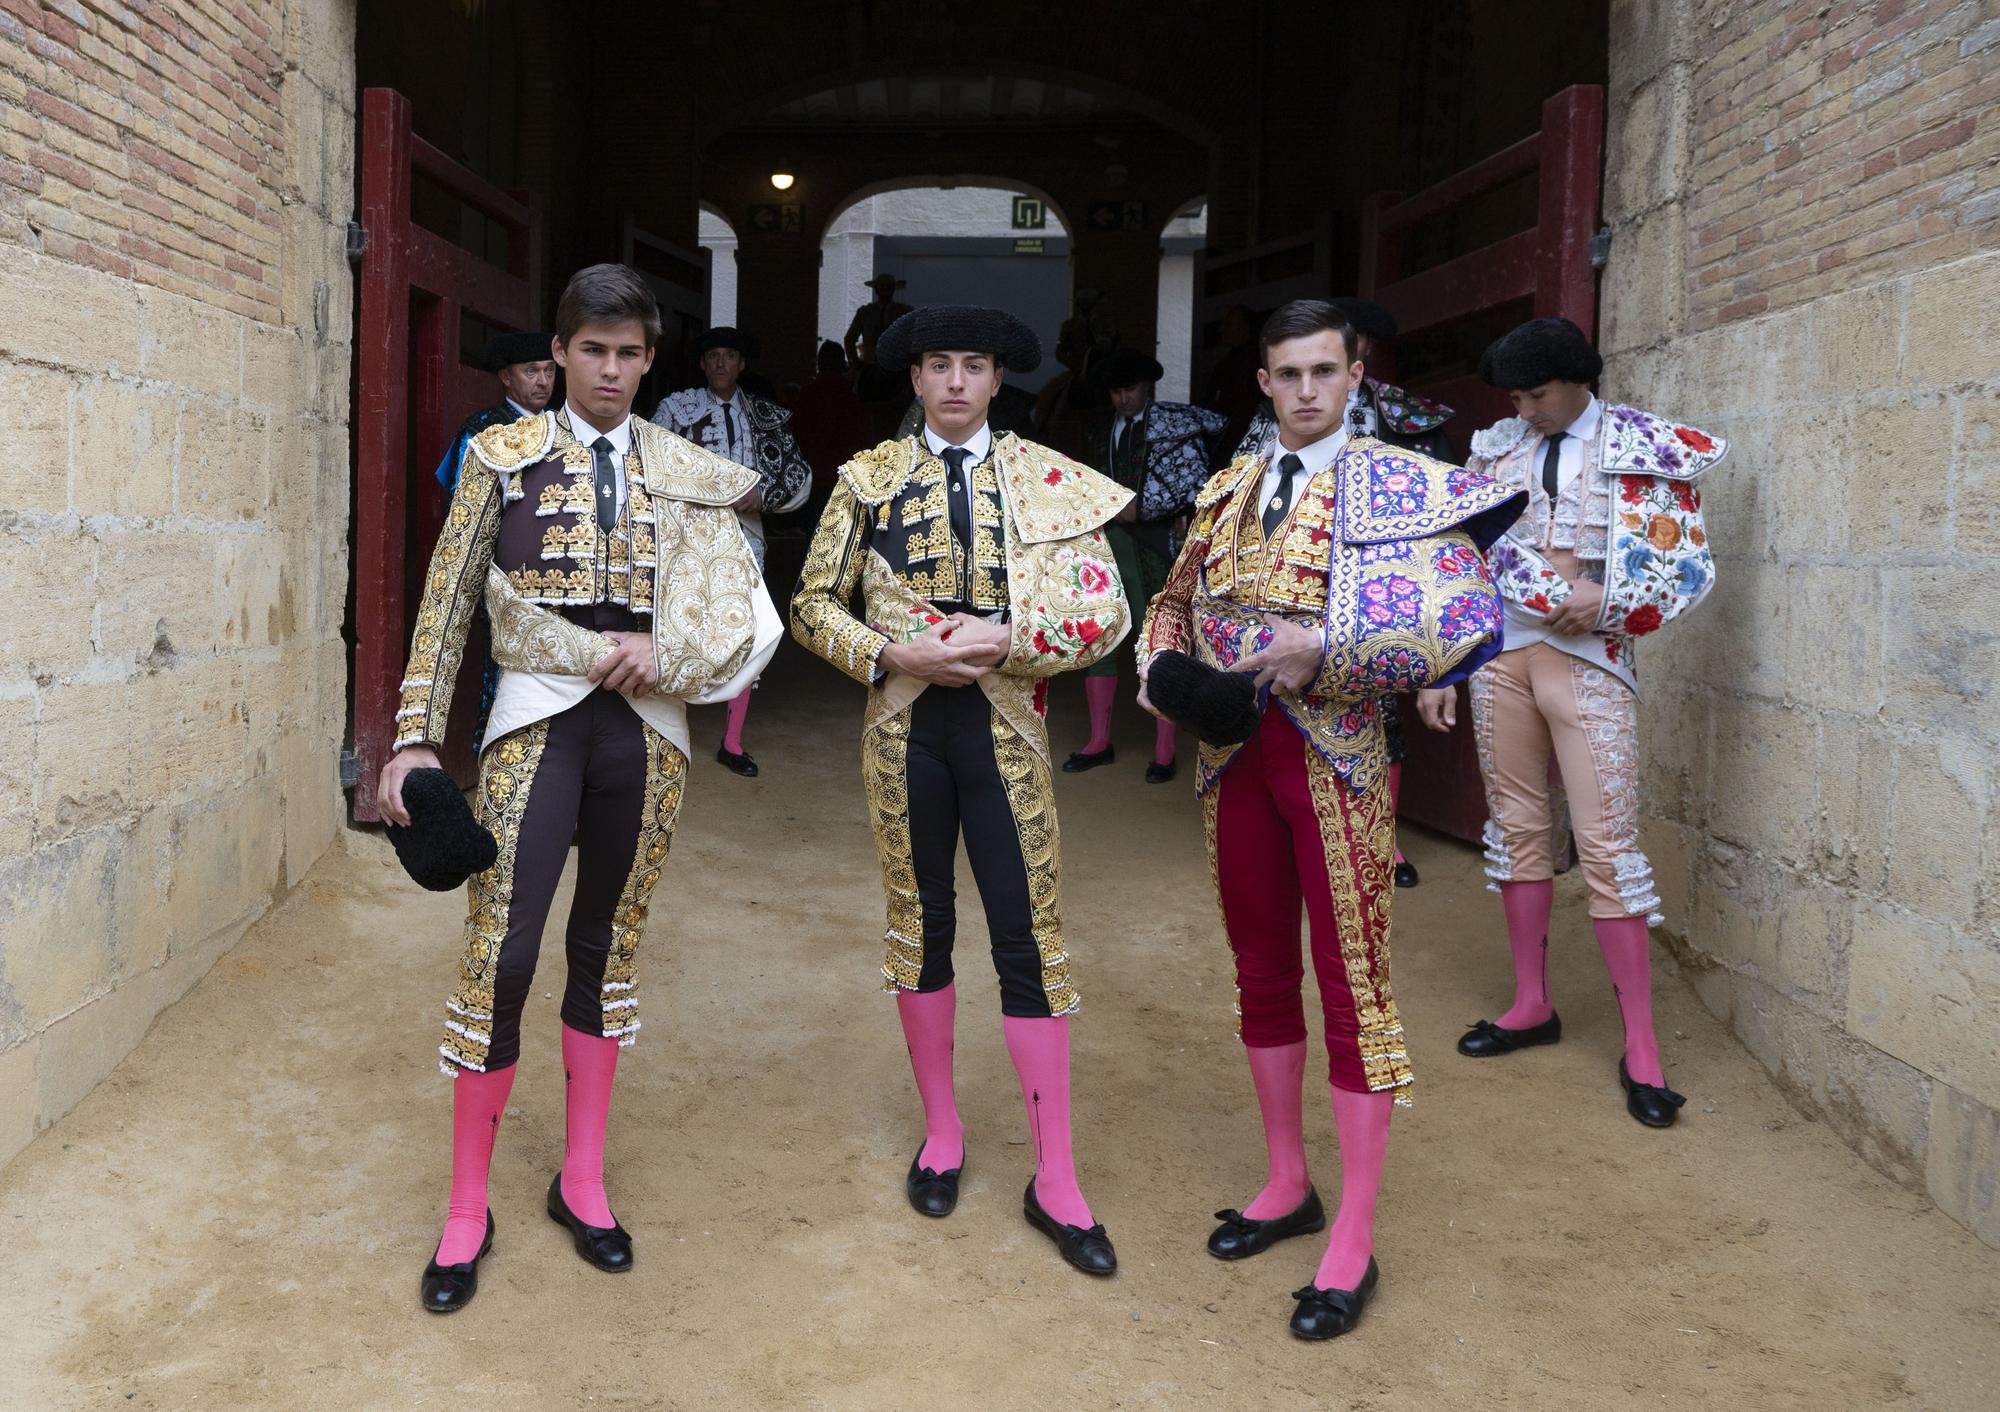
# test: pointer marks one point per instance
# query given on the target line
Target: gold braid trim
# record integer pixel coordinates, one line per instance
(821, 620)
(1357, 834)
(885, 759)
(506, 778)
(666, 777)
(1210, 803)
(1031, 799)
(452, 589)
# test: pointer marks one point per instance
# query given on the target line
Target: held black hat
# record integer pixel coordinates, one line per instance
(1368, 317)
(1219, 707)
(1127, 367)
(1539, 351)
(444, 845)
(885, 280)
(960, 328)
(724, 336)
(507, 349)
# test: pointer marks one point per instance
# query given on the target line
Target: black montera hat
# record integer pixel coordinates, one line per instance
(443, 845)
(507, 349)
(1367, 317)
(1219, 707)
(724, 336)
(959, 328)
(1127, 367)
(1539, 351)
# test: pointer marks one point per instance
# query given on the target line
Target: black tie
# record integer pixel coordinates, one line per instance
(607, 486)
(1550, 457)
(961, 510)
(728, 430)
(1274, 513)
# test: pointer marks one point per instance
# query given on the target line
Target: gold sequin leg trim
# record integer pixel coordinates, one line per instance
(1031, 798)
(1357, 832)
(885, 760)
(506, 778)
(666, 775)
(1210, 803)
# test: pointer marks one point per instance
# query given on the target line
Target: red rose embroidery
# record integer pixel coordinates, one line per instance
(1539, 602)
(1643, 619)
(1041, 697)
(932, 618)
(1687, 497)
(1611, 646)
(1632, 489)
(1054, 477)
(1042, 643)
(1089, 630)
(1691, 438)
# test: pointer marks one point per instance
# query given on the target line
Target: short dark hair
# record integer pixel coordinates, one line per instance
(1302, 318)
(607, 294)
(832, 357)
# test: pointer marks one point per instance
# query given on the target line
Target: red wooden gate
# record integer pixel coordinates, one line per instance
(412, 391)
(1546, 267)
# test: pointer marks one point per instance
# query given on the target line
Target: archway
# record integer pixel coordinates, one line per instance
(963, 239)
(717, 237)
(1181, 242)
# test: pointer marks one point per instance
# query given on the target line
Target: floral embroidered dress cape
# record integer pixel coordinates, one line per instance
(1639, 530)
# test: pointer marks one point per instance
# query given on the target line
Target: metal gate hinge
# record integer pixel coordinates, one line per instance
(350, 769)
(357, 242)
(1600, 248)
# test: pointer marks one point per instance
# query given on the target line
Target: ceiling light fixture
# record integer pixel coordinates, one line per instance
(782, 180)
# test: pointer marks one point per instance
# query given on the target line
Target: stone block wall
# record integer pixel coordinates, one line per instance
(1806, 259)
(175, 307)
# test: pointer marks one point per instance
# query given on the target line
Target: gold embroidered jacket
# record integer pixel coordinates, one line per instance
(522, 531)
(1038, 555)
(1382, 552)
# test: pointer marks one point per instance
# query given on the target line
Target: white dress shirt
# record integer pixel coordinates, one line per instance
(980, 444)
(1118, 425)
(1315, 457)
(619, 436)
(519, 410)
(1570, 450)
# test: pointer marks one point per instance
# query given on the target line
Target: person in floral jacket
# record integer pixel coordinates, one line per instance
(983, 570)
(1612, 548)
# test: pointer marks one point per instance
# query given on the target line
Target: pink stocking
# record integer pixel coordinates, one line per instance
(1101, 693)
(477, 1101)
(1528, 905)
(1362, 1121)
(927, 1027)
(732, 741)
(589, 1064)
(1164, 742)
(1626, 956)
(1040, 1050)
(1279, 1074)
(1395, 799)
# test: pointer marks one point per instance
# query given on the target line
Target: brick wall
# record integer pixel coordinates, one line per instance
(174, 311)
(1820, 738)
(1838, 144)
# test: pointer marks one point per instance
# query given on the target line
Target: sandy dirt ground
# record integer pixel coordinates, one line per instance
(238, 1217)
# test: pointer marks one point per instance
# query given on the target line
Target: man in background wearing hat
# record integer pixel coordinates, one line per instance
(875, 383)
(983, 569)
(1163, 453)
(571, 526)
(1403, 419)
(1612, 546)
(526, 370)
(751, 431)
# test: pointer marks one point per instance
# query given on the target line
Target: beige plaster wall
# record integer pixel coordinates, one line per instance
(175, 183)
(1806, 202)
